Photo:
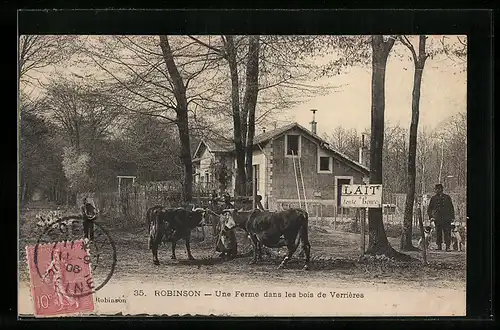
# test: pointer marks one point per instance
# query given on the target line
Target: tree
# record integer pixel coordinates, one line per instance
(381, 47)
(345, 141)
(419, 63)
(36, 52)
(250, 103)
(239, 139)
(181, 110)
(273, 68)
(455, 48)
(159, 79)
(394, 159)
(76, 167)
(39, 166)
(152, 147)
(83, 112)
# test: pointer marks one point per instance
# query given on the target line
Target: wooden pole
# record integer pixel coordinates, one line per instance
(335, 211)
(363, 223)
(119, 187)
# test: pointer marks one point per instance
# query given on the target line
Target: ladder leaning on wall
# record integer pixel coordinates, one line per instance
(301, 182)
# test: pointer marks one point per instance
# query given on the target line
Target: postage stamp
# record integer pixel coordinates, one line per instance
(65, 285)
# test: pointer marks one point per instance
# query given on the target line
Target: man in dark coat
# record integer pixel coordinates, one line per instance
(227, 201)
(441, 210)
(258, 203)
(89, 213)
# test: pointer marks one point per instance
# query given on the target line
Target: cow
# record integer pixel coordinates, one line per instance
(171, 225)
(276, 229)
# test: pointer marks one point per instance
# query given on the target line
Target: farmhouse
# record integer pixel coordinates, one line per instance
(276, 157)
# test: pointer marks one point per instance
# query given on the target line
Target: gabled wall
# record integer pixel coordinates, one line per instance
(282, 184)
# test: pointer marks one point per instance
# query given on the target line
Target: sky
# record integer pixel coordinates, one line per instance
(443, 94)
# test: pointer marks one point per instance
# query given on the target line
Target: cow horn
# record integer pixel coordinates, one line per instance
(227, 210)
(199, 209)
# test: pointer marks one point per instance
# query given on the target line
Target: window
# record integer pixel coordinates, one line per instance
(292, 143)
(324, 163)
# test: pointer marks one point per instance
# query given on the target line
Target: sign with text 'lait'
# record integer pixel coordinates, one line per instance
(361, 195)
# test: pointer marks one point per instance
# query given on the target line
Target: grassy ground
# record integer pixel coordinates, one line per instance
(335, 258)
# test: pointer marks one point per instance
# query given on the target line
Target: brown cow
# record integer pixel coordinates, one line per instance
(171, 225)
(276, 229)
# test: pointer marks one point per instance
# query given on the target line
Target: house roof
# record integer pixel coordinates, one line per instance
(219, 145)
(215, 145)
(264, 137)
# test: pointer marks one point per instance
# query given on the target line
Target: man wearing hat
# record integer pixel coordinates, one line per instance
(89, 213)
(441, 210)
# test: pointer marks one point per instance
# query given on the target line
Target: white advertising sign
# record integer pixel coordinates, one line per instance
(361, 195)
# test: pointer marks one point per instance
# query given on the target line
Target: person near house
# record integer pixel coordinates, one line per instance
(89, 213)
(227, 201)
(214, 200)
(442, 212)
(258, 203)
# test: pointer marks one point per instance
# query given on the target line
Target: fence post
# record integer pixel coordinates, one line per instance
(362, 220)
(335, 211)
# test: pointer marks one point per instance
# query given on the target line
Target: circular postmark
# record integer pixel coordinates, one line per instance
(87, 265)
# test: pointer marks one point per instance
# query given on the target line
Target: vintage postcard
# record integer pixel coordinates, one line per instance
(242, 175)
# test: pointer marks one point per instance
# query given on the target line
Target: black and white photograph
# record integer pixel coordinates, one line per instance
(242, 175)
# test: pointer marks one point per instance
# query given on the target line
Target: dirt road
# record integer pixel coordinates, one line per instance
(406, 289)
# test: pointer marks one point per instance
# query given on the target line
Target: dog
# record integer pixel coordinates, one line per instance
(428, 229)
(456, 237)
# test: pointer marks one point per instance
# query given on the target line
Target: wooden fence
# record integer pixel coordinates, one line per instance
(327, 212)
(129, 205)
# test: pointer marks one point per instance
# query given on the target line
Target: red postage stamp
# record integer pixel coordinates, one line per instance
(61, 279)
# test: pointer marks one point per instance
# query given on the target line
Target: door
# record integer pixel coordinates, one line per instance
(256, 177)
(341, 182)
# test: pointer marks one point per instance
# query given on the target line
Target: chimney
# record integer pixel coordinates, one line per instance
(313, 123)
(363, 150)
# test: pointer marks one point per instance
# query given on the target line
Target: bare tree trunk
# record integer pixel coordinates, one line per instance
(250, 102)
(406, 237)
(378, 243)
(239, 142)
(182, 117)
(441, 163)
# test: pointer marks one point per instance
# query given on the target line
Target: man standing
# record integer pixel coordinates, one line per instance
(258, 203)
(89, 214)
(227, 201)
(441, 210)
